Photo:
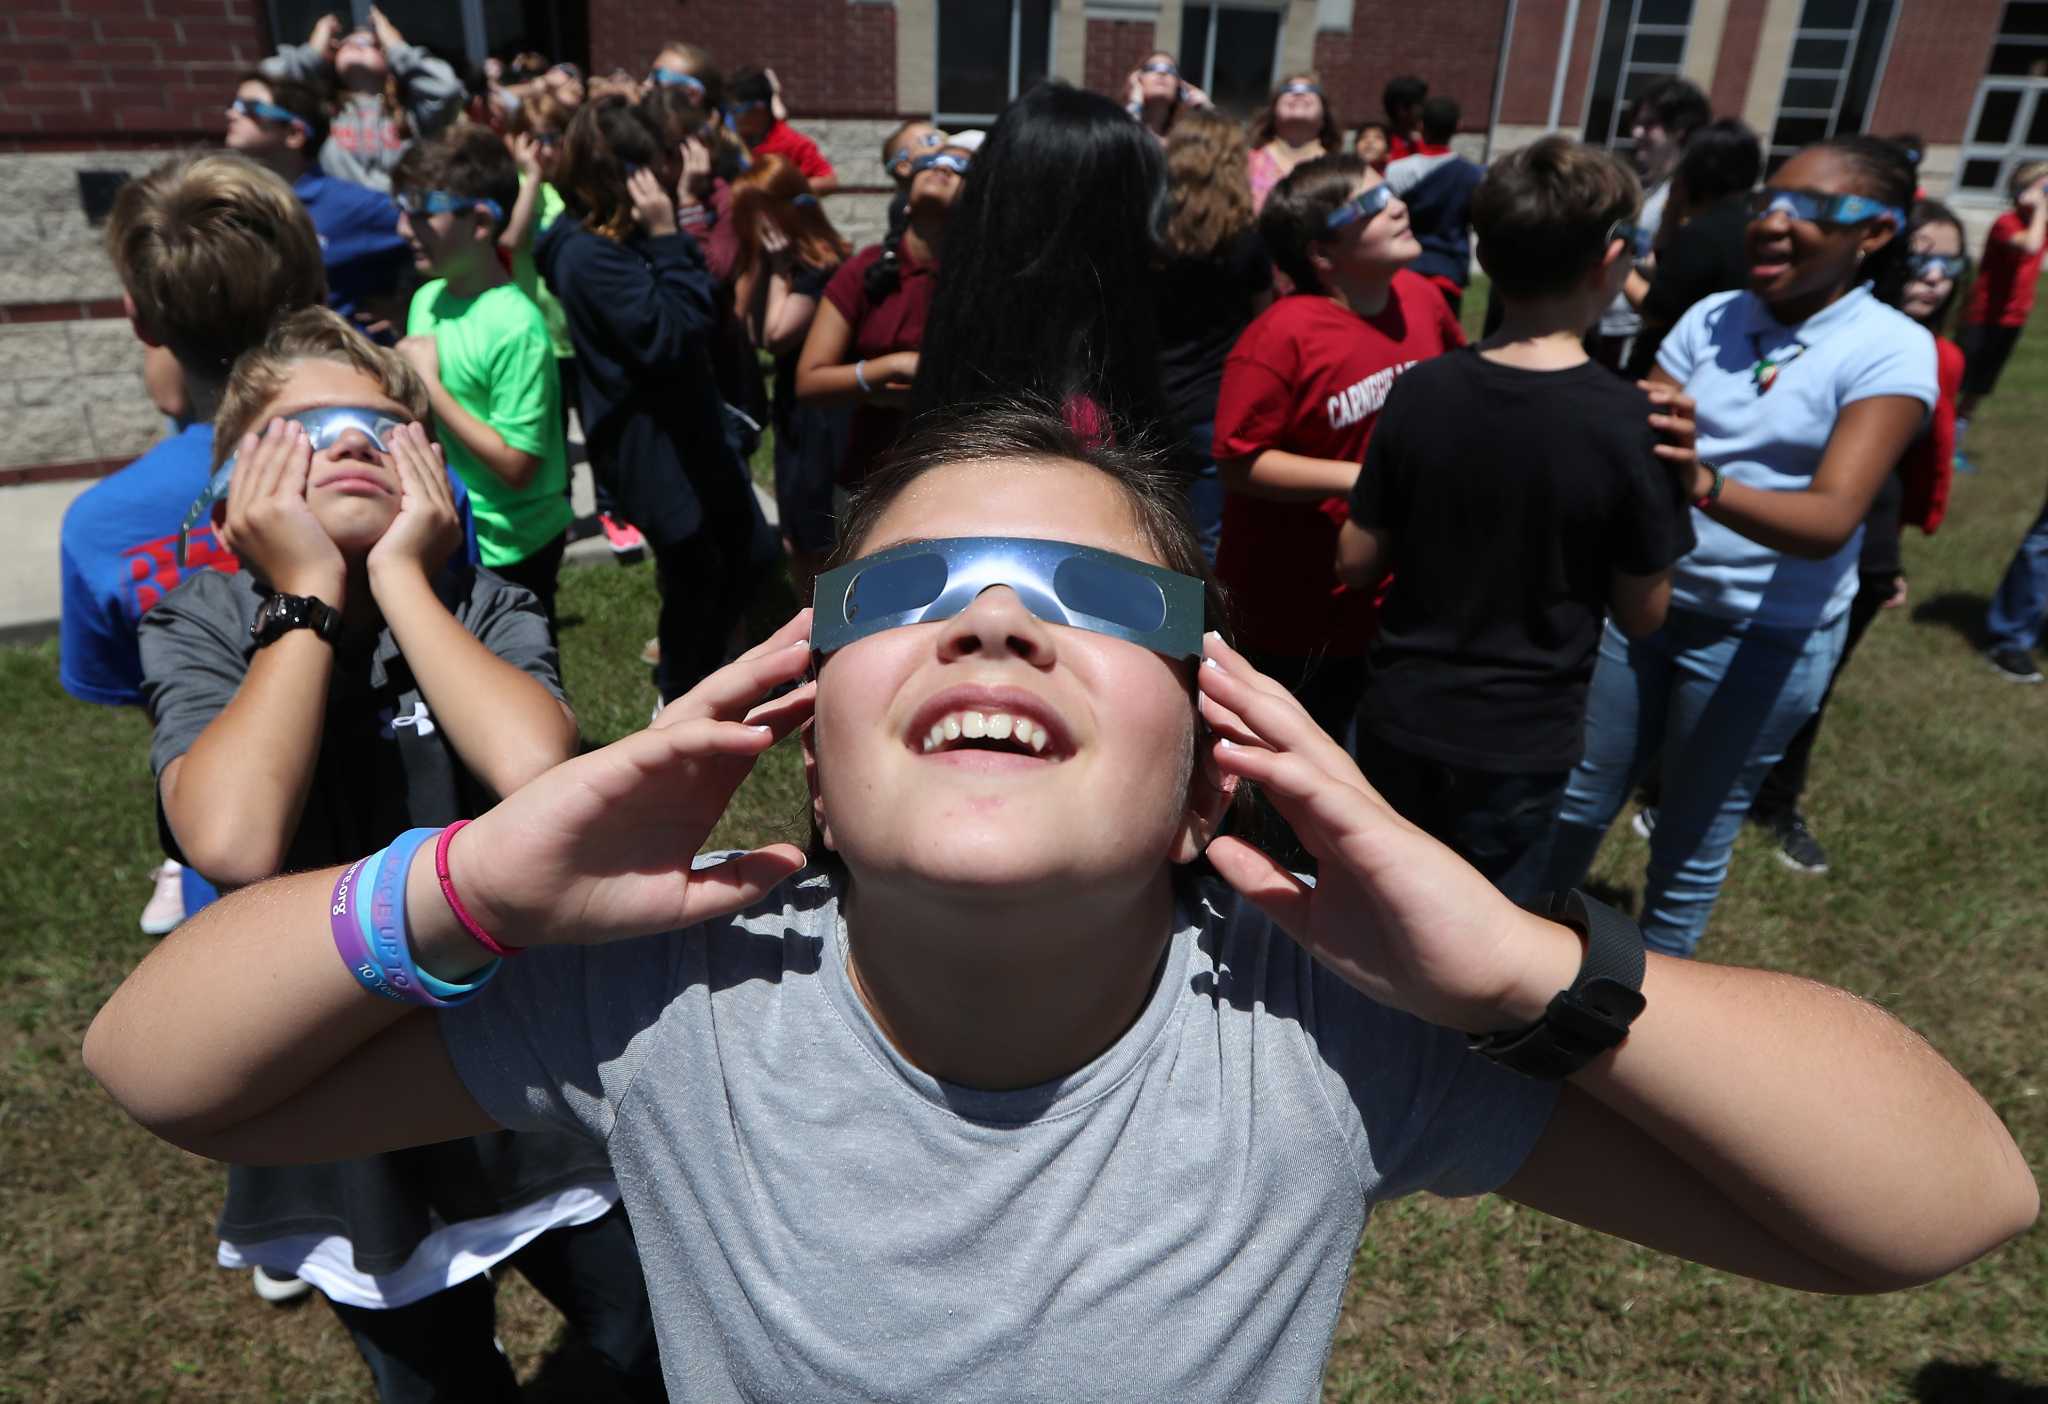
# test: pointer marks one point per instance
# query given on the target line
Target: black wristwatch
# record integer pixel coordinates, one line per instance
(1594, 1014)
(280, 614)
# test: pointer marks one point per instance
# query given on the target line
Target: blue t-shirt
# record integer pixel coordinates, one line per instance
(1852, 350)
(359, 240)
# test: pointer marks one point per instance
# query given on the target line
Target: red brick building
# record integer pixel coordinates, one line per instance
(90, 88)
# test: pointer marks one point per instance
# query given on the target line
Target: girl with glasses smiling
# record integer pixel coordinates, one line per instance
(1808, 390)
(1007, 1079)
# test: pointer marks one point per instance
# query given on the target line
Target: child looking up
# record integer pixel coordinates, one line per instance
(483, 349)
(870, 1159)
(1515, 491)
(391, 94)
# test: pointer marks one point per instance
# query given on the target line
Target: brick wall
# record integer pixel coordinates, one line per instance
(1115, 47)
(1930, 80)
(1739, 36)
(1451, 47)
(87, 73)
(835, 60)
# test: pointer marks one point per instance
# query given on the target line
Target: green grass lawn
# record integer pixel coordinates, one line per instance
(1930, 788)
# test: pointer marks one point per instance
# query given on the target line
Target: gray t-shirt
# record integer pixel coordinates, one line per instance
(1621, 319)
(821, 1220)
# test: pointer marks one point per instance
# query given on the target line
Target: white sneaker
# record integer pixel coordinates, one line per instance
(167, 904)
(279, 1288)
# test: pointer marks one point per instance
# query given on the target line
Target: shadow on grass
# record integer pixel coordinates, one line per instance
(1951, 1382)
(1960, 610)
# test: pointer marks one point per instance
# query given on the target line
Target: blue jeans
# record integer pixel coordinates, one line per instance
(1714, 702)
(1205, 489)
(2014, 619)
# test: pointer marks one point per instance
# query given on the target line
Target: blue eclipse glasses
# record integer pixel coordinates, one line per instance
(1817, 208)
(1363, 206)
(432, 202)
(924, 582)
(803, 198)
(676, 78)
(267, 112)
(923, 143)
(324, 428)
(941, 160)
(1949, 265)
(1635, 236)
(1301, 89)
(1160, 66)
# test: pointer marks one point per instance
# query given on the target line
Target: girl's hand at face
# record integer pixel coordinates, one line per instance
(696, 170)
(1393, 912)
(599, 848)
(270, 527)
(326, 36)
(653, 206)
(387, 33)
(1673, 416)
(427, 529)
(525, 154)
(774, 242)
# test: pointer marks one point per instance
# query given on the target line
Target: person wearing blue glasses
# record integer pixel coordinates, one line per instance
(389, 93)
(1808, 390)
(482, 347)
(754, 115)
(1022, 1065)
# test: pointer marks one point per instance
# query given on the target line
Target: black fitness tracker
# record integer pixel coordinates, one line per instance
(280, 614)
(1594, 1014)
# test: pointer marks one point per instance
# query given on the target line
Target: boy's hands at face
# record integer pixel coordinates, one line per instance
(653, 206)
(326, 36)
(525, 154)
(270, 527)
(427, 529)
(1393, 913)
(387, 32)
(424, 354)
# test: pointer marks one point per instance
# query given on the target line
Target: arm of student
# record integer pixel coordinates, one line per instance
(787, 320)
(1362, 554)
(674, 303)
(1639, 602)
(824, 376)
(1868, 438)
(514, 466)
(526, 209)
(262, 1067)
(1758, 1122)
(1287, 477)
(1750, 1119)
(433, 91)
(503, 723)
(234, 799)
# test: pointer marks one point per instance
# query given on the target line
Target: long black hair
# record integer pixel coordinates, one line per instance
(1045, 288)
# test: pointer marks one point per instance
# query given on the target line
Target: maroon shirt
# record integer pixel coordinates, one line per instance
(896, 323)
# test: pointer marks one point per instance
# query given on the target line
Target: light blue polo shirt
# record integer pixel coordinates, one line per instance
(1854, 349)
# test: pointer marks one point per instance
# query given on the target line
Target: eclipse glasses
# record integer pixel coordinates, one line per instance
(324, 428)
(432, 202)
(952, 161)
(1817, 208)
(924, 582)
(1364, 205)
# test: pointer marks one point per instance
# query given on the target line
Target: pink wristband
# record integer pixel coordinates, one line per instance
(469, 923)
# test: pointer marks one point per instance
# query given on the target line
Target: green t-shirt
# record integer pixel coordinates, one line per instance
(527, 276)
(497, 363)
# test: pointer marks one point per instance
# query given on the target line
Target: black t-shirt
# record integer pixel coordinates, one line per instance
(1511, 496)
(1203, 304)
(1709, 253)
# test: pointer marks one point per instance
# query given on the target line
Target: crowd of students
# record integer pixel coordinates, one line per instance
(1131, 371)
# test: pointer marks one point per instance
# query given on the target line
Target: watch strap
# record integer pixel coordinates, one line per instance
(281, 613)
(1594, 1014)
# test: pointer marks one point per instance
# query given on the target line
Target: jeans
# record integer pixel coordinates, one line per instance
(1205, 489)
(441, 1347)
(1713, 703)
(1501, 824)
(2014, 619)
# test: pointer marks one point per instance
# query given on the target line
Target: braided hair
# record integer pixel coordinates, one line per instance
(1881, 166)
(885, 274)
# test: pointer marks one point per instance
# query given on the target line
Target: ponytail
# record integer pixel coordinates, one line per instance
(885, 275)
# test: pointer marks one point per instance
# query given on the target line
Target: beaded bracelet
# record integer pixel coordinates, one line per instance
(469, 923)
(375, 944)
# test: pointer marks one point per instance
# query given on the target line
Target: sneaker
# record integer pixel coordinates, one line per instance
(2013, 664)
(625, 538)
(277, 1288)
(166, 907)
(1798, 849)
(1645, 823)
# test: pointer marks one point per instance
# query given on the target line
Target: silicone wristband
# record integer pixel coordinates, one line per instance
(860, 378)
(349, 942)
(469, 923)
(390, 942)
(1713, 492)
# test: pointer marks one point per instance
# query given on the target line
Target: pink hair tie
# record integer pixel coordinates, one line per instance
(469, 923)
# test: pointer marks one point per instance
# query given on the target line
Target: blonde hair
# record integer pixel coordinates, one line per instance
(2024, 175)
(1208, 183)
(309, 334)
(211, 248)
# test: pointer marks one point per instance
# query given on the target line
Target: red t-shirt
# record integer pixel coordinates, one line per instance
(792, 145)
(896, 323)
(2003, 294)
(1309, 377)
(1929, 465)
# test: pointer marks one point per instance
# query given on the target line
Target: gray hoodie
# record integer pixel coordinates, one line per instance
(364, 141)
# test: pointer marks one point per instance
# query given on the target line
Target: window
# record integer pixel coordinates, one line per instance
(1641, 42)
(990, 51)
(2009, 124)
(1837, 56)
(1232, 54)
